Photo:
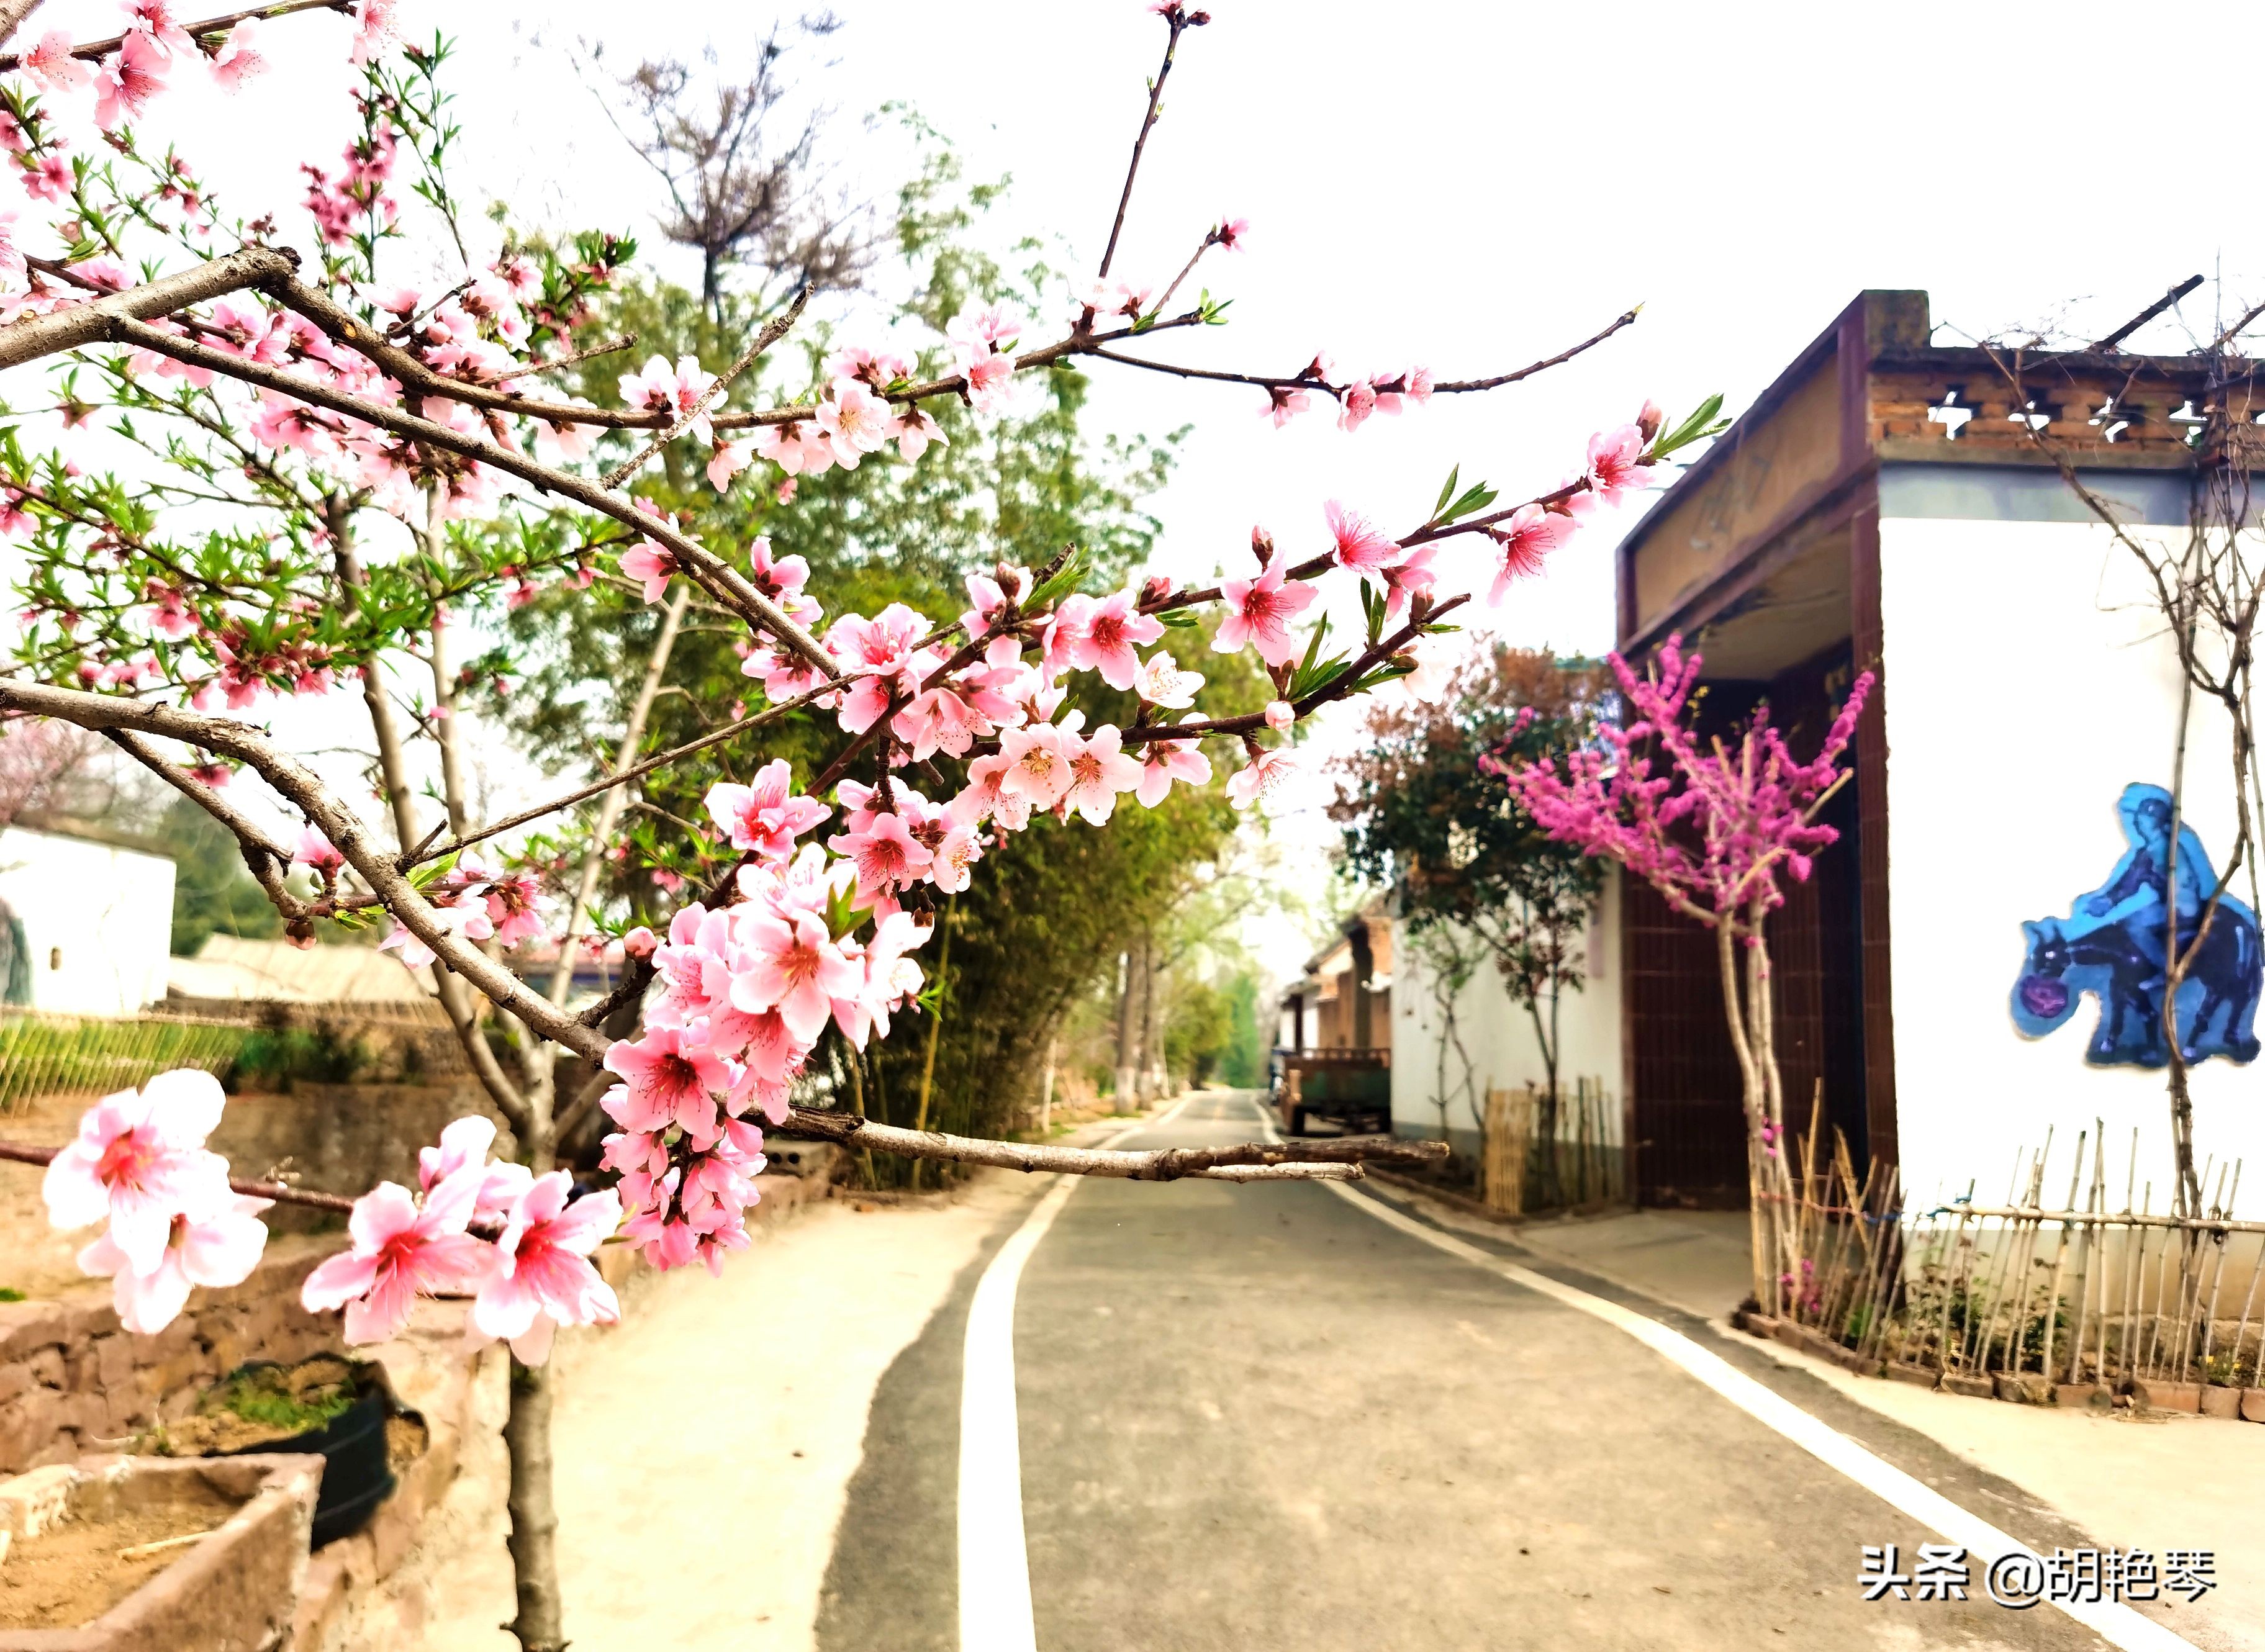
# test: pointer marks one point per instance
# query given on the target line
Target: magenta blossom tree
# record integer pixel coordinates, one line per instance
(315, 433)
(1717, 828)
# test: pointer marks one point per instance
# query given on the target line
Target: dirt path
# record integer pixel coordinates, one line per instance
(705, 1449)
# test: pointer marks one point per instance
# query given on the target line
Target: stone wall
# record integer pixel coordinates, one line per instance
(72, 1383)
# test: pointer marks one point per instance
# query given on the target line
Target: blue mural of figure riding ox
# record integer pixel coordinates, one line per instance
(2111, 946)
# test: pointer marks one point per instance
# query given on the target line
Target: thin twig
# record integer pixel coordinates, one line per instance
(774, 329)
(1175, 20)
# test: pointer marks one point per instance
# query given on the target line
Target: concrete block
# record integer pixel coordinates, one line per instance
(27, 1326)
(1918, 1376)
(2253, 1405)
(2220, 1401)
(1974, 1384)
(2025, 1388)
(2184, 1398)
(87, 1320)
(237, 1589)
(28, 1426)
(2078, 1396)
(114, 1362)
(322, 1598)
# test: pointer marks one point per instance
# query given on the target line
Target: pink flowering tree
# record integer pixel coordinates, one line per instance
(1716, 826)
(318, 439)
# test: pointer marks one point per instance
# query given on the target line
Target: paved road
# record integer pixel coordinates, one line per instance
(1256, 1417)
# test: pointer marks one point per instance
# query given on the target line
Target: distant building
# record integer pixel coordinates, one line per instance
(230, 968)
(1497, 1035)
(86, 919)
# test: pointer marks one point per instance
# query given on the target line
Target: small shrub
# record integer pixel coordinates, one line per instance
(272, 1059)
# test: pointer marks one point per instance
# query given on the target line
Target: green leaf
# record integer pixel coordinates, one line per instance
(1178, 619)
(1477, 496)
(1313, 649)
(1702, 424)
(1065, 579)
(1312, 679)
(1446, 491)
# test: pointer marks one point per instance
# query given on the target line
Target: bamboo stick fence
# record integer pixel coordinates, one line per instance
(1580, 1162)
(49, 1055)
(2083, 1291)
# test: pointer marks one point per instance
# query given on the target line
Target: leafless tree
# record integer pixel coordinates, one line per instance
(744, 187)
(2207, 586)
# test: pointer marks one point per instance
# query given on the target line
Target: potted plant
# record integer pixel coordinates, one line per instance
(341, 1410)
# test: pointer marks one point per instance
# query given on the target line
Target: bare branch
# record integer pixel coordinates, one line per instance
(32, 336)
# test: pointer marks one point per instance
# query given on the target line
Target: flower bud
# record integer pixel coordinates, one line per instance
(1650, 420)
(1262, 546)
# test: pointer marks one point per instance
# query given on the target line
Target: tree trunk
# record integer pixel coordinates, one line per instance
(540, 1625)
(934, 1027)
(2188, 1197)
(1158, 1074)
(1126, 1006)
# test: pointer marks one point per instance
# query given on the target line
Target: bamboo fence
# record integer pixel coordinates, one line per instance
(1579, 1162)
(2084, 1291)
(46, 1055)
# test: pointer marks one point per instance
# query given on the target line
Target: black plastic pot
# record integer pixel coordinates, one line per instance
(356, 1477)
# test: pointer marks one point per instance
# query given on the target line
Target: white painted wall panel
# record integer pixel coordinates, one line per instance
(2029, 678)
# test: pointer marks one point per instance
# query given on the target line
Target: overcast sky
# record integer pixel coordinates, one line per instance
(1462, 186)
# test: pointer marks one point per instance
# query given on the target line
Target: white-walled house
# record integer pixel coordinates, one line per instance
(89, 920)
(1883, 507)
(1498, 1035)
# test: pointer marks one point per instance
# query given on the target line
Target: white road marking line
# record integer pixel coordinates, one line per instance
(2117, 1625)
(995, 1562)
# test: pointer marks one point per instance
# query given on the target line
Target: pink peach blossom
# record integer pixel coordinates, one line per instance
(216, 1247)
(1258, 614)
(650, 565)
(467, 1141)
(796, 969)
(1100, 633)
(1159, 681)
(138, 1159)
(1037, 767)
(1617, 466)
(1263, 780)
(668, 1078)
(542, 1278)
(52, 64)
(400, 1249)
(1360, 547)
(1523, 542)
(886, 854)
(767, 817)
(1166, 761)
(1099, 771)
(316, 852)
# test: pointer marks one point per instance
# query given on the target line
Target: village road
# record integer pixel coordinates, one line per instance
(1254, 1418)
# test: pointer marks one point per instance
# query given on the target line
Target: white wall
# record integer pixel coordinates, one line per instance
(2028, 681)
(98, 920)
(1498, 1034)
